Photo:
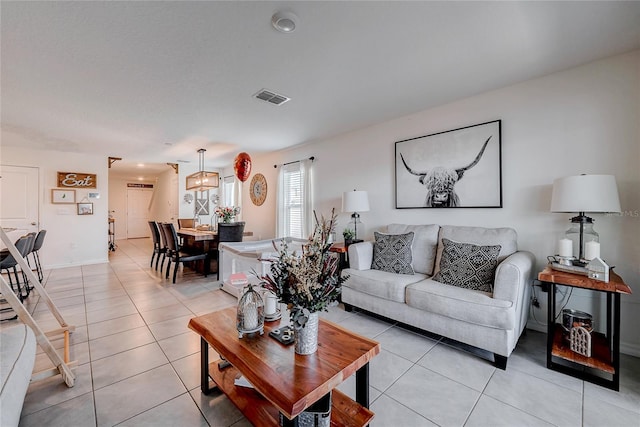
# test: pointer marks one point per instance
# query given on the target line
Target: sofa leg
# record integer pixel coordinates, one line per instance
(348, 307)
(500, 361)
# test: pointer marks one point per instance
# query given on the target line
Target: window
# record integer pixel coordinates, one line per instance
(228, 191)
(294, 200)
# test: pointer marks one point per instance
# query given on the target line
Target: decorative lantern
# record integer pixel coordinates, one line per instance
(250, 317)
(202, 180)
(242, 166)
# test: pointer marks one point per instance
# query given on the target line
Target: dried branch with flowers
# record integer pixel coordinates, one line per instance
(310, 281)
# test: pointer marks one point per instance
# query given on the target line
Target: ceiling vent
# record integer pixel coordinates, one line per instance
(271, 97)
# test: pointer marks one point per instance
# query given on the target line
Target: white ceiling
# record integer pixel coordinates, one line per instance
(155, 81)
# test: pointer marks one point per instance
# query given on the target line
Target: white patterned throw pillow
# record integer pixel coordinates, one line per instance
(467, 265)
(392, 253)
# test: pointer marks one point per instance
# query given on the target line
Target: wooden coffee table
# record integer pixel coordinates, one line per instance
(284, 382)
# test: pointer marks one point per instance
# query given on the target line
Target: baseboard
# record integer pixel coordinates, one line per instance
(630, 349)
(537, 327)
(75, 264)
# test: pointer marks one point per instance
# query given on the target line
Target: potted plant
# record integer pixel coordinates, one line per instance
(307, 282)
(227, 213)
(348, 235)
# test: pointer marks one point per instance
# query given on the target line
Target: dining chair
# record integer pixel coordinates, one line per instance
(177, 256)
(158, 247)
(35, 252)
(164, 244)
(228, 232)
(9, 264)
(28, 251)
(186, 222)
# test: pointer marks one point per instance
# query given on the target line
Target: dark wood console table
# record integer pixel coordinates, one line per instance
(605, 348)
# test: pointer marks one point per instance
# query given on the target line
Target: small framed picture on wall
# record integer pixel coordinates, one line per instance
(63, 196)
(85, 208)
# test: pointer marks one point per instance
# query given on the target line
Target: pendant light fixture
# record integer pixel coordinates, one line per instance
(202, 180)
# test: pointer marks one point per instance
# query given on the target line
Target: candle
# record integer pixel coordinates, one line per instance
(565, 248)
(270, 304)
(251, 316)
(591, 250)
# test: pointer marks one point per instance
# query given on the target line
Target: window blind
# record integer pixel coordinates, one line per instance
(294, 200)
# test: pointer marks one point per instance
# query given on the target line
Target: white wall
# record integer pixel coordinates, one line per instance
(164, 203)
(582, 120)
(164, 206)
(118, 203)
(71, 239)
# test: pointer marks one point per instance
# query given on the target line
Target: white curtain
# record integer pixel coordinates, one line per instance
(237, 196)
(294, 216)
(231, 194)
(306, 169)
(281, 223)
(228, 184)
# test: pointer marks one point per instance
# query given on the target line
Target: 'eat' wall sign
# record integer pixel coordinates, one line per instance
(77, 180)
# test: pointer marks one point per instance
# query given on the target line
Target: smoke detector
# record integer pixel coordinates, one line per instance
(271, 97)
(285, 22)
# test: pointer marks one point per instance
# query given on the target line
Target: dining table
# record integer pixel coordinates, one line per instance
(200, 241)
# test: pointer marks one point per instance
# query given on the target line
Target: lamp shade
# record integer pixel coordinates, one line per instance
(585, 193)
(202, 180)
(355, 201)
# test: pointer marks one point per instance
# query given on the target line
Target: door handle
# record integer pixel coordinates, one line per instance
(34, 223)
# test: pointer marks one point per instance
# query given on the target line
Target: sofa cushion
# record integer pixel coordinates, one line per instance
(392, 253)
(463, 304)
(423, 248)
(468, 266)
(505, 237)
(382, 284)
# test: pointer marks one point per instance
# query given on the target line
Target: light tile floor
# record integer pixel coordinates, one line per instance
(139, 363)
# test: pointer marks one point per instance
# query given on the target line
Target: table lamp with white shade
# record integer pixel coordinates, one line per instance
(355, 201)
(584, 194)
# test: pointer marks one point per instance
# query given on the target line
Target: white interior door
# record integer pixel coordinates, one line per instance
(138, 201)
(19, 199)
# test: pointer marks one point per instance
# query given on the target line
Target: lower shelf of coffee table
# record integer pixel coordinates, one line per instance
(260, 412)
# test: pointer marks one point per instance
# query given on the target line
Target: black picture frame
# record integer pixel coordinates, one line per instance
(459, 168)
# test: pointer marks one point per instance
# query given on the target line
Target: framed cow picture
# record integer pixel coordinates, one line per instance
(460, 168)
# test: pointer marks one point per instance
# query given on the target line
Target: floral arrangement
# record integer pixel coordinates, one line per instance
(227, 213)
(308, 282)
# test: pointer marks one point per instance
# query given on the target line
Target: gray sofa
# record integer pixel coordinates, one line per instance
(17, 356)
(491, 320)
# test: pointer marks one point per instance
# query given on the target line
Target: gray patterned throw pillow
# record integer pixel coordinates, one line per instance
(392, 253)
(467, 265)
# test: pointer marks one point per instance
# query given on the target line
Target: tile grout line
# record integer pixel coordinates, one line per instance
(93, 389)
(170, 363)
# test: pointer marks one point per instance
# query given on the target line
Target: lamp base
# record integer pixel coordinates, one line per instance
(581, 232)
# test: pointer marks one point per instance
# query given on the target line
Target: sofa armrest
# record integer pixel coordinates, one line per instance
(513, 275)
(361, 256)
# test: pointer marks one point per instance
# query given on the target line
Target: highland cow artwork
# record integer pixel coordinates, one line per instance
(460, 168)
